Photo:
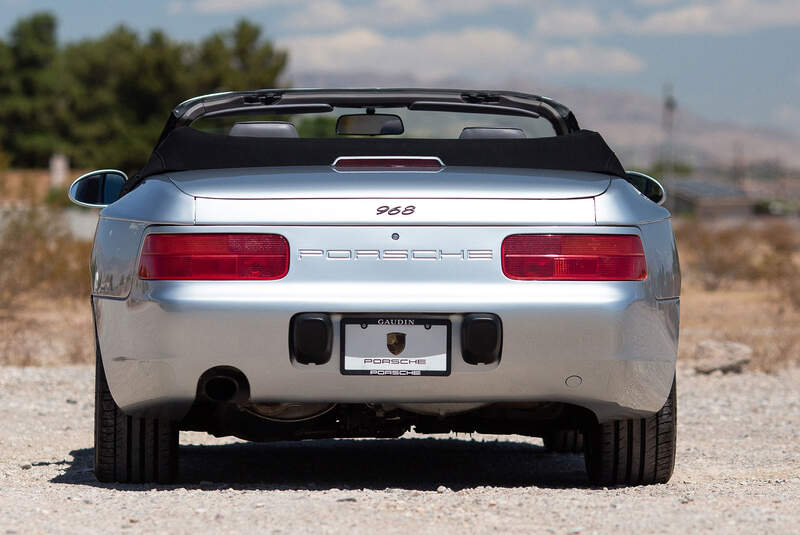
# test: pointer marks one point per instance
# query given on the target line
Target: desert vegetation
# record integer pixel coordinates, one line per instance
(741, 284)
(44, 284)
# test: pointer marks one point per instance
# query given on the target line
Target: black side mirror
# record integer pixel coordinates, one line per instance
(647, 186)
(97, 189)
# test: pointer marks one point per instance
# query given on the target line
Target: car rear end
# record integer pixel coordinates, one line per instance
(381, 292)
(583, 304)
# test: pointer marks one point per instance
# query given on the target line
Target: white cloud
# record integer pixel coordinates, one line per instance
(571, 22)
(582, 17)
(374, 13)
(224, 6)
(174, 7)
(722, 16)
(325, 14)
(331, 14)
(698, 17)
(653, 3)
(591, 58)
(481, 52)
(788, 116)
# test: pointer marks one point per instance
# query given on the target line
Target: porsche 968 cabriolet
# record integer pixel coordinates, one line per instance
(305, 264)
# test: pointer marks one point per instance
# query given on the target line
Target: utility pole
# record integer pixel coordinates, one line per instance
(668, 125)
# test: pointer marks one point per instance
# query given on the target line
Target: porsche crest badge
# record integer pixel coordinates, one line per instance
(396, 342)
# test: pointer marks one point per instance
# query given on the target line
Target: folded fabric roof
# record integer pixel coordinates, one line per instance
(186, 149)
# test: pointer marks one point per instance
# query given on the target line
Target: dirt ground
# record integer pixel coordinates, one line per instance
(738, 470)
(43, 332)
(748, 314)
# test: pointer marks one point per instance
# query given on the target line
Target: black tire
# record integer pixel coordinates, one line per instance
(564, 441)
(129, 449)
(633, 452)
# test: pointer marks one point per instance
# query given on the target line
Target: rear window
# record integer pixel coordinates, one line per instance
(417, 124)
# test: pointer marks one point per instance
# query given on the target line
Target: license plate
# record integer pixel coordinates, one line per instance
(395, 346)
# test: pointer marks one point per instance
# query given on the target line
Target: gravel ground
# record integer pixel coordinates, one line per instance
(738, 470)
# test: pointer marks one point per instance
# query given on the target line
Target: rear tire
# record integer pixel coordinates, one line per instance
(128, 449)
(564, 441)
(633, 452)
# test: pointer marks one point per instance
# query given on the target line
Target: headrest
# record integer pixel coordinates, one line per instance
(485, 132)
(263, 129)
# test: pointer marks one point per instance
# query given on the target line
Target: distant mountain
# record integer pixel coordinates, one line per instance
(630, 122)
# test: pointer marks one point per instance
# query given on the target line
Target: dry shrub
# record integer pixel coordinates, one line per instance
(38, 255)
(773, 349)
(45, 316)
(756, 252)
(48, 332)
(716, 257)
(742, 284)
(752, 314)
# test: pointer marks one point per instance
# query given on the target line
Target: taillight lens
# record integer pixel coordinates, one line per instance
(400, 163)
(214, 257)
(574, 257)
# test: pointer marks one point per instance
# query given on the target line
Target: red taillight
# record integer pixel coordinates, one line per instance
(574, 257)
(214, 257)
(378, 163)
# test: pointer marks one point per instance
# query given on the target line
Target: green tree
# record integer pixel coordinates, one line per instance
(319, 126)
(29, 89)
(103, 101)
(662, 168)
(120, 92)
(238, 59)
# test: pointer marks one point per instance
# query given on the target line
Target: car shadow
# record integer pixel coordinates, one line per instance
(409, 463)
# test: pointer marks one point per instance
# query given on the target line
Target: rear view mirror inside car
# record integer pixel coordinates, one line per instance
(369, 125)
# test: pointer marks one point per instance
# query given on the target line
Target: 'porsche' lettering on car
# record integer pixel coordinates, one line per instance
(395, 372)
(399, 362)
(396, 254)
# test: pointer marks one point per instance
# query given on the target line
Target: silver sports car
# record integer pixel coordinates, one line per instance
(300, 264)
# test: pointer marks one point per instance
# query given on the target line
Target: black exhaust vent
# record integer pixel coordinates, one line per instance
(481, 338)
(311, 338)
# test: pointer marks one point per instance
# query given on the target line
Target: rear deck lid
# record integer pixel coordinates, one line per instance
(324, 182)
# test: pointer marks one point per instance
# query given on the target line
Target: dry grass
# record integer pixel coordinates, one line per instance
(48, 332)
(29, 184)
(756, 251)
(741, 283)
(44, 288)
(39, 256)
(749, 314)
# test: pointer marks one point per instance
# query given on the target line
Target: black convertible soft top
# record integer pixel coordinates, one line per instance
(185, 149)
(182, 148)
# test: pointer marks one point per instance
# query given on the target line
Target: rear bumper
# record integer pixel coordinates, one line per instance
(616, 336)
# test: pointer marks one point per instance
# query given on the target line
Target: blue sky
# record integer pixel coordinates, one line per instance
(730, 60)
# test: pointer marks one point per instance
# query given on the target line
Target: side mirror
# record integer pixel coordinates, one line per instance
(647, 186)
(97, 189)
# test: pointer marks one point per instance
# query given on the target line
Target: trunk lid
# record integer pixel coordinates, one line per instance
(453, 196)
(322, 182)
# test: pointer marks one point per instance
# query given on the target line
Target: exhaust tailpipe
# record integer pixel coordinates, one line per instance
(224, 384)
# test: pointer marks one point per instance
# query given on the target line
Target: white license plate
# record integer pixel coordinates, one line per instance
(395, 346)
